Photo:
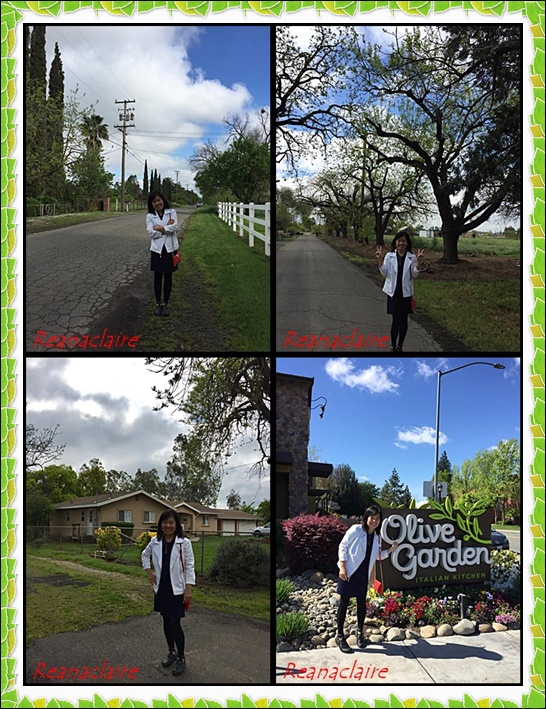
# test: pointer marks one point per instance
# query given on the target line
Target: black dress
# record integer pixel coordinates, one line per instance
(163, 262)
(357, 585)
(398, 305)
(165, 601)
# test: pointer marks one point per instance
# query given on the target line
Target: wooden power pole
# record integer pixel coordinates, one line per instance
(124, 117)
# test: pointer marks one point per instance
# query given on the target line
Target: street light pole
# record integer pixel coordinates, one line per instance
(496, 365)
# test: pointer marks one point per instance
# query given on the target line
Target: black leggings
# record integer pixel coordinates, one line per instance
(342, 613)
(173, 633)
(167, 289)
(399, 329)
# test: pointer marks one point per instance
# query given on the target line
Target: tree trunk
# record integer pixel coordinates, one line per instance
(450, 238)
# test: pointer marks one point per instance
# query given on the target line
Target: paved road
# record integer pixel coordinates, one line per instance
(490, 658)
(320, 293)
(514, 537)
(73, 274)
(221, 648)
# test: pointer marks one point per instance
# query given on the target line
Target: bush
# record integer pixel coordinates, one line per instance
(242, 563)
(108, 539)
(505, 572)
(291, 625)
(142, 541)
(283, 589)
(311, 542)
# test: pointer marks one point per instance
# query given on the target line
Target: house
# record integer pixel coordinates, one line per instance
(82, 515)
(198, 518)
(299, 483)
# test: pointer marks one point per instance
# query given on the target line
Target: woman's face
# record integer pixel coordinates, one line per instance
(402, 245)
(157, 204)
(168, 527)
(373, 522)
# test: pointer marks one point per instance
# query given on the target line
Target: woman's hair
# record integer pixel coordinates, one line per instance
(165, 515)
(371, 511)
(151, 198)
(401, 233)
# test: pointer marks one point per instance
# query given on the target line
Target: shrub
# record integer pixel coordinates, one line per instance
(108, 539)
(283, 589)
(505, 572)
(291, 625)
(142, 541)
(242, 563)
(311, 541)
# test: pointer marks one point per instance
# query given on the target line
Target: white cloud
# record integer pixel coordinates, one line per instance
(426, 371)
(421, 434)
(400, 445)
(375, 379)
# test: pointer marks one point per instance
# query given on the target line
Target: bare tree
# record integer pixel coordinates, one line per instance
(40, 447)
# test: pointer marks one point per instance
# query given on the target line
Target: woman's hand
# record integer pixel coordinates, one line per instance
(343, 571)
(159, 228)
(420, 254)
(171, 221)
(393, 548)
(379, 252)
(187, 593)
(151, 576)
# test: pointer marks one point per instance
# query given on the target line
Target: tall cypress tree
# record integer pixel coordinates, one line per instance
(55, 111)
(56, 77)
(37, 64)
(145, 180)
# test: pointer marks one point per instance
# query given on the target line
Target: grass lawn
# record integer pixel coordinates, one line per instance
(67, 589)
(34, 225)
(240, 276)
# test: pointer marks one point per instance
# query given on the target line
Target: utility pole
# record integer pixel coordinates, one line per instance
(177, 172)
(124, 116)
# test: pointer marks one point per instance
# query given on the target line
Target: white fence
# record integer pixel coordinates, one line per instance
(233, 214)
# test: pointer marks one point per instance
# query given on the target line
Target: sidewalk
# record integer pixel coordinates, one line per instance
(490, 658)
(221, 648)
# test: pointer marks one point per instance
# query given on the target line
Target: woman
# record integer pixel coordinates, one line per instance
(399, 267)
(161, 225)
(172, 577)
(358, 551)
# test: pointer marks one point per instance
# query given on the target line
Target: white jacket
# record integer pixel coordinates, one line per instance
(160, 240)
(390, 270)
(352, 549)
(178, 580)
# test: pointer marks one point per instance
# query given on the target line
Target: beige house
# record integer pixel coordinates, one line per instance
(197, 518)
(299, 483)
(81, 516)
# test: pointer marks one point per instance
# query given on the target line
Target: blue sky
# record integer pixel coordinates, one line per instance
(185, 80)
(381, 413)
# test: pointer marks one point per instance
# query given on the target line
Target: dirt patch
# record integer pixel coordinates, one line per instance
(56, 580)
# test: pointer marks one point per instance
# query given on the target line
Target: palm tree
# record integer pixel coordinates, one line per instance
(94, 131)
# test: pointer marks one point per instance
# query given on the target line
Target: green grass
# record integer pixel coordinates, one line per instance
(240, 276)
(486, 246)
(35, 225)
(486, 316)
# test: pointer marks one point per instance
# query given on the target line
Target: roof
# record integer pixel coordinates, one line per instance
(106, 499)
(235, 514)
(220, 513)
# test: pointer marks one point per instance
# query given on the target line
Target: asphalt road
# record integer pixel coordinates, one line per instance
(73, 275)
(320, 293)
(514, 537)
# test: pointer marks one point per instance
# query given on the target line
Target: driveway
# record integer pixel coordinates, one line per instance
(319, 293)
(221, 648)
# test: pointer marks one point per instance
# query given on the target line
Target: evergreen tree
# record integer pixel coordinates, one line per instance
(393, 493)
(444, 469)
(37, 63)
(56, 77)
(346, 490)
(55, 118)
(233, 500)
(145, 186)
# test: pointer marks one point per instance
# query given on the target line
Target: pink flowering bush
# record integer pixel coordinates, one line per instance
(311, 542)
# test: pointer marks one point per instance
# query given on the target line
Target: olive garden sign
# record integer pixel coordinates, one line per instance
(436, 546)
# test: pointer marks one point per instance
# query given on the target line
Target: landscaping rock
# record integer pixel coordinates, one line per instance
(395, 634)
(285, 646)
(377, 638)
(485, 628)
(499, 627)
(317, 577)
(428, 631)
(444, 630)
(465, 627)
(318, 641)
(412, 634)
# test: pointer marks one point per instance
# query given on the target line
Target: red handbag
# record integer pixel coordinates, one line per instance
(176, 258)
(377, 584)
(186, 603)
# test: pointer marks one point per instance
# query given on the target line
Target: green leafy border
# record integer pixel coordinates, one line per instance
(11, 14)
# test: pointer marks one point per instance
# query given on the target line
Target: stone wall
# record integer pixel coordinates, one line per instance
(292, 432)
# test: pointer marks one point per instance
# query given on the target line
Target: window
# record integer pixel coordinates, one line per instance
(205, 520)
(149, 516)
(125, 515)
(90, 515)
(68, 515)
(83, 516)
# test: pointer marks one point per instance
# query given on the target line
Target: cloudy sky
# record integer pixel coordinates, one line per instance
(104, 409)
(185, 80)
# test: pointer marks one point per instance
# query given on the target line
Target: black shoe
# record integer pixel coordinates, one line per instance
(165, 310)
(169, 659)
(399, 349)
(158, 309)
(179, 666)
(361, 640)
(342, 644)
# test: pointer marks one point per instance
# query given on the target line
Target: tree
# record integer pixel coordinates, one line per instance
(345, 490)
(55, 117)
(38, 511)
(263, 510)
(225, 400)
(89, 179)
(307, 82)
(92, 478)
(199, 481)
(57, 482)
(454, 122)
(444, 470)
(94, 131)
(147, 480)
(37, 63)
(369, 492)
(233, 500)
(40, 447)
(393, 493)
(118, 481)
(145, 187)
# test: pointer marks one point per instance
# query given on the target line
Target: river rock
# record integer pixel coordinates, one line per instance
(444, 630)
(464, 627)
(428, 631)
(395, 634)
(499, 627)
(485, 628)
(412, 634)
